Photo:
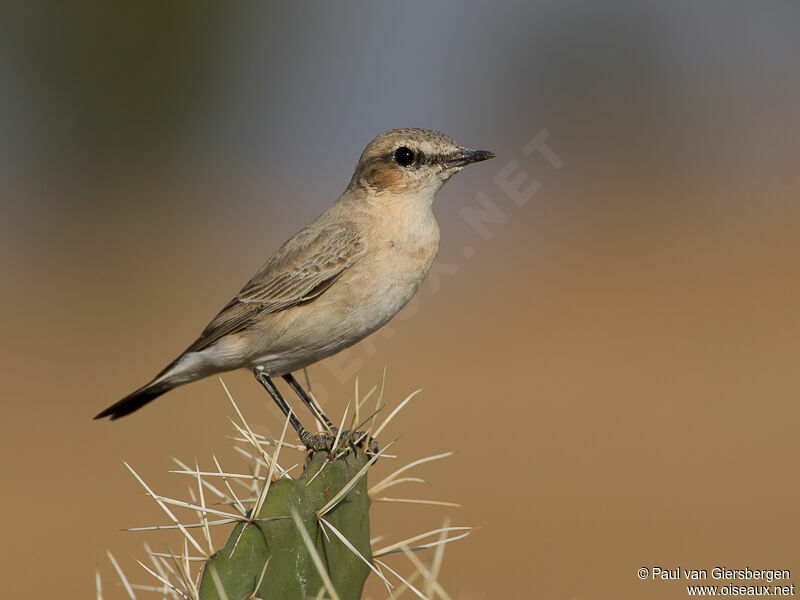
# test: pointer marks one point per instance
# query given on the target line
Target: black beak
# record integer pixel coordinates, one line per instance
(466, 157)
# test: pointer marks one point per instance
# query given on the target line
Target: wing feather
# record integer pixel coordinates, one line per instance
(301, 270)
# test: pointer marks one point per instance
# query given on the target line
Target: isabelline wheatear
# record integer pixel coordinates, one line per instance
(334, 282)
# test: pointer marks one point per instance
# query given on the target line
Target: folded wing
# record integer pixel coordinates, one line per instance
(301, 270)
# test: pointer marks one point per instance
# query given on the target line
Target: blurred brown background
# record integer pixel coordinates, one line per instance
(614, 363)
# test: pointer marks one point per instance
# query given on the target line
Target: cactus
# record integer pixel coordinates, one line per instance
(291, 572)
(291, 538)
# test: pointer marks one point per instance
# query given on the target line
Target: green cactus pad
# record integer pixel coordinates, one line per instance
(291, 573)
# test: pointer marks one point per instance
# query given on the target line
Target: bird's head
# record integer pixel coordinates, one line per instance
(412, 161)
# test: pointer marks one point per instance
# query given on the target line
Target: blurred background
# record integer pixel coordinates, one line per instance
(612, 354)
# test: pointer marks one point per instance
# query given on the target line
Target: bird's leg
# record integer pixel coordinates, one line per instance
(314, 442)
(310, 441)
(312, 405)
(350, 437)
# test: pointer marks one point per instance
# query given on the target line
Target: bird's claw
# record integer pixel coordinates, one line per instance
(327, 442)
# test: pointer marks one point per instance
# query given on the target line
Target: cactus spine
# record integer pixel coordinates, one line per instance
(300, 538)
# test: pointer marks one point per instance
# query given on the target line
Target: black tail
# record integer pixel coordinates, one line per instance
(134, 401)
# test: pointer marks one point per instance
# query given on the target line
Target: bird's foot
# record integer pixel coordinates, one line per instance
(360, 439)
(348, 440)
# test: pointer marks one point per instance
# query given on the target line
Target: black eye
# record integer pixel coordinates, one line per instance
(404, 156)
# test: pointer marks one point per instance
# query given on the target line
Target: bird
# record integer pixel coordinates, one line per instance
(334, 282)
